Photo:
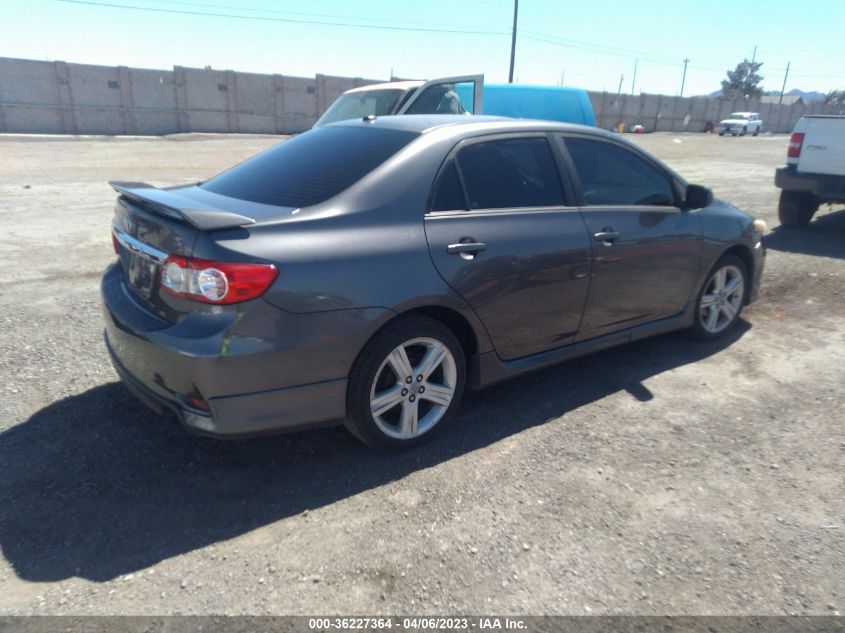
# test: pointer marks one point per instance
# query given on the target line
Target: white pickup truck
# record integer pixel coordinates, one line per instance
(815, 169)
(741, 123)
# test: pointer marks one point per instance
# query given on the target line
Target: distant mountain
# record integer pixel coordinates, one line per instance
(806, 97)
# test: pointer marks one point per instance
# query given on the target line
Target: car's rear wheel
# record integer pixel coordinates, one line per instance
(796, 208)
(721, 298)
(744, 131)
(756, 131)
(406, 385)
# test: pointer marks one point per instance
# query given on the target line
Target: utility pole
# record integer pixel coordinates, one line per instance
(783, 87)
(754, 54)
(634, 79)
(621, 79)
(513, 39)
(684, 78)
(562, 73)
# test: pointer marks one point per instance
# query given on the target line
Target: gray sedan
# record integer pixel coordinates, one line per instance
(366, 272)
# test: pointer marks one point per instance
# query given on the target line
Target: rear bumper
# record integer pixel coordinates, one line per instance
(258, 370)
(231, 417)
(826, 187)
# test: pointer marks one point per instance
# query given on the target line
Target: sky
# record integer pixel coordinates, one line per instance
(594, 45)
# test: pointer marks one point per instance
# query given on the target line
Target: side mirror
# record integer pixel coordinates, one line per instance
(698, 197)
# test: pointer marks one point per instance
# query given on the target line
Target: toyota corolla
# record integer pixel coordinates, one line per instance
(366, 272)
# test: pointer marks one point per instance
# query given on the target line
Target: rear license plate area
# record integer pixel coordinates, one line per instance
(141, 271)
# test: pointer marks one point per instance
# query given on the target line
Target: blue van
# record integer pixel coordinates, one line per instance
(551, 103)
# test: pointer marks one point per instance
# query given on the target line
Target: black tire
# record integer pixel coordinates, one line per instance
(372, 365)
(699, 329)
(756, 131)
(722, 133)
(744, 131)
(796, 208)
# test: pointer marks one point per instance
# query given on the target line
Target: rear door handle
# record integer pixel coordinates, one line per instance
(466, 247)
(607, 236)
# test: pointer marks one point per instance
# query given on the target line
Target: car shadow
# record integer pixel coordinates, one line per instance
(824, 236)
(96, 486)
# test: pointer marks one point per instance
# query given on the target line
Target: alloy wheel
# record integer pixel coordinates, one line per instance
(413, 388)
(722, 299)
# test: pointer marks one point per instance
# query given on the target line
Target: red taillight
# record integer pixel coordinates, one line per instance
(793, 150)
(215, 282)
(197, 402)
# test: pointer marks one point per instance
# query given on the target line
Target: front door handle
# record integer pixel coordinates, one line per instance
(608, 236)
(470, 248)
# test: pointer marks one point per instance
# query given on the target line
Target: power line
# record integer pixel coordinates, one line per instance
(587, 46)
(206, 5)
(546, 37)
(286, 20)
(541, 37)
(614, 51)
(420, 28)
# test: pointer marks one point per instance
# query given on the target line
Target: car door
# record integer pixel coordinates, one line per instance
(501, 234)
(646, 251)
(461, 94)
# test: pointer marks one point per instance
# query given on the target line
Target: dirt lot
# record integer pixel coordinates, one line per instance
(661, 477)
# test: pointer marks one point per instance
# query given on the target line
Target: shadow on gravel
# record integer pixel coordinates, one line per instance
(96, 486)
(824, 237)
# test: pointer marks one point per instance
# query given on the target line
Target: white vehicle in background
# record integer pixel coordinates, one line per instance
(446, 95)
(815, 169)
(741, 123)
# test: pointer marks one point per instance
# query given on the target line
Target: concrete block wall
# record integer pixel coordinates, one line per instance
(152, 101)
(62, 98)
(29, 93)
(690, 114)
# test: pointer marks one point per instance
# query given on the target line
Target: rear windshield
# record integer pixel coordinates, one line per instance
(310, 168)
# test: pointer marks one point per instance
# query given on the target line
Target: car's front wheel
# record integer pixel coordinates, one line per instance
(721, 298)
(406, 384)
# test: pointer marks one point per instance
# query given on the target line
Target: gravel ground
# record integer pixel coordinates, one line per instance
(663, 477)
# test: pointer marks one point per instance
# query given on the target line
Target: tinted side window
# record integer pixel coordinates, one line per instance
(613, 175)
(310, 168)
(448, 194)
(510, 173)
(437, 99)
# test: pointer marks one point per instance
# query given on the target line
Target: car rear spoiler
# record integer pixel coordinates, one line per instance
(199, 215)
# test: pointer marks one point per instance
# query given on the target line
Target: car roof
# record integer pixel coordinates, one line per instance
(394, 85)
(459, 124)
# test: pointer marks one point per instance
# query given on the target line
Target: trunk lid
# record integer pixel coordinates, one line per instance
(149, 225)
